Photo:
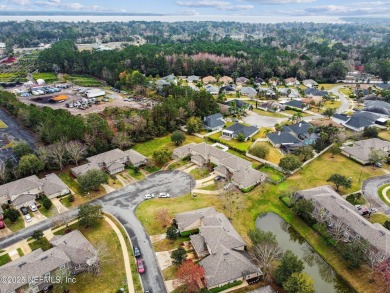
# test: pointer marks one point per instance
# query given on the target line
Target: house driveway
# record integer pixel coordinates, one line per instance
(38, 217)
(261, 121)
(59, 206)
(5, 232)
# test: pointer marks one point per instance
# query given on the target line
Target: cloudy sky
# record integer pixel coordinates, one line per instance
(211, 7)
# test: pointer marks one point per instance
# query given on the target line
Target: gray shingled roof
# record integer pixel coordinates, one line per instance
(183, 220)
(23, 198)
(296, 104)
(135, 157)
(238, 128)
(183, 151)
(20, 186)
(247, 177)
(108, 157)
(82, 169)
(362, 119)
(53, 184)
(282, 138)
(214, 120)
(361, 149)
(324, 196)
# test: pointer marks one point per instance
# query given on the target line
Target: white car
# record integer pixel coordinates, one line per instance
(373, 210)
(149, 196)
(33, 207)
(28, 218)
(164, 195)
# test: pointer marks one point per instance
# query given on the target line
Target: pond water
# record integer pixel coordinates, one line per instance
(325, 278)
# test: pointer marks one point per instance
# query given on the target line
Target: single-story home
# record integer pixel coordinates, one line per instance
(362, 119)
(248, 91)
(23, 200)
(241, 80)
(381, 108)
(313, 92)
(214, 90)
(230, 88)
(53, 186)
(272, 106)
(360, 150)
(28, 185)
(291, 81)
(193, 78)
(234, 130)
(71, 254)
(135, 158)
(213, 122)
(223, 251)
(226, 80)
(209, 79)
(279, 138)
(309, 83)
(297, 105)
(259, 81)
(239, 104)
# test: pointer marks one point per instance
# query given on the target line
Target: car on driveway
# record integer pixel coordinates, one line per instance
(163, 195)
(137, 252)
(140, 266)
(2, 224)
(219, 177)
(24, 210)
(28, 218)
(33, 207)
(149, 196)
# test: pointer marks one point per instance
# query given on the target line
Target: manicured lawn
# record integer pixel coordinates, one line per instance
(139, 175)
(380, 193)
(112, 275)
(333, 105)
(70, 181)
(385, 134)
(292, 112)
(272, 173)
(20, 251)
(210, 187)
(14, 227)
(147, 148)
(317, 172)
(5, 258)
(166, 244)
(244, 146)
(45, 212)
(200, 173)
(274, 155)
(178, 164)
(268, 114)
(2, 124)
(80, 197)
(41, 243)
(170, 272)
(378, 218)
(346, 91)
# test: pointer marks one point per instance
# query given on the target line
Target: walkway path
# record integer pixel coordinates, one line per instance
(384, 193)
(125, 253)
(108, 188)
(207, 191)
(59, 206)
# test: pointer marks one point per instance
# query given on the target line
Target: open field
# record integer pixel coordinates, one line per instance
(84, 80)
(385, 134)
(48, 77)
(147, 148)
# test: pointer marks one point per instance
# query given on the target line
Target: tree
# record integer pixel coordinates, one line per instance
(290, 163)
(370, 132)
(232, 201)
(178, 137)
(190, 274)
(30, 164)
(290, 264)
(241, 137)
(57, 153)
(304, 209)
(172, 233)
(329, 112)
(354, 253)
(335, 149)
(22, 148)
(384, 69)
(386, 224)
(11, 214)
(265, 249)
(377, 156)
(122, 140)
(260, 151)
(163, 216)
(92, 180)
(162, 157)
(75, 151)
(299, 283)
(37, 235)
(304, 153)
(90, 214)
(47, 204)
(382, 273)
(340, 181)
(179, 256)
(194, 124)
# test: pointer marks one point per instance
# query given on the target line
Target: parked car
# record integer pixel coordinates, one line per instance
(358, 207)
(24, 210)
(373, 210)
(140, 266)
(28, 218)
(137, 252)
(33, 207)
(148, 291)
(2, 224)
(219, 177)
(149, 196)
(379, 165)
(164, 195)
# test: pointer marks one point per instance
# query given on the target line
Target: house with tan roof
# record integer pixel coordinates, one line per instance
(209, 79)
(225, 80)
(329, 205)
(229, 166)
(223, 251)
(71, 253)
(291, 81)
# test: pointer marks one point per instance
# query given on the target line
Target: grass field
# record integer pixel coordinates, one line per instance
(84, 80)
(385, 134)
(112, 275)
(346, 91)
(14, 227)
(48, 77)
(200, 173)
(147, 148)
(170, 272)
(10, 77)
(292, 112)
(2, 124)
(327, 86)
(332, 105)
(274, 155)
(272, 173)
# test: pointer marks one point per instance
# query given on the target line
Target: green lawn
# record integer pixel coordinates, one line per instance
(380, 191)
(147, 148)
(385, 134)
(41, 243)
(200, 173)
(292, 112)
(69, 180)
(210, 187)
(269, 114)
(170, 272)
(346, 91)
(20, 251)
(272, 173)
(244, 146)
(84, 80)
(2, 124)
(178, 164)
(5, 258)
(139, 175)
(14, 227)
(378, 218)
(48, 77)
(274, 155)
(166, 244)
(327, 86)
(332, 105)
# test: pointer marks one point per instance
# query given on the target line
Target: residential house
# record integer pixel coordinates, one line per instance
(71, 254)
(53, 186)
(290, 93)
(239, 104)
(213, 122)
(362, 119)
(291, 81)
(372, 97)
(340, 118)
(228, 89)
(241, 80)
(259, 81)
(360, 150)
(272, 106)
(295, 104)
(309, 83)
(223, 251)
(161, 83)
(337, 212)
(236, 129)
(313, 92)
(209, 80)
(113, 162)
(214, 90)
(23, 200)
(248, 91)
(381, 108)
(193, 78)
(28, 185)
(226, 80)
(170, 78)
(279, 139)
(267, 92)
(240, 171)
(383, 86)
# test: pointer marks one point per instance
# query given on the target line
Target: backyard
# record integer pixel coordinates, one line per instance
(200, 173)
(385, 134)
(243, 146)
(274, 154)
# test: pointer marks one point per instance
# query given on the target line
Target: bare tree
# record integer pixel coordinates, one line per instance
(61, 219)
(163, 216)
(232, 201)
(103, 256)
(57, 153)
(3, 172)
(374, 258)
(75, 151)
(338, 230)
(191, 107)
(121, 140)
(43, 154)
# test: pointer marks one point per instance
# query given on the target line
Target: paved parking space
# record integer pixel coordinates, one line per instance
(38, 217)
(5, 232)
(261, 121)
(59, 206)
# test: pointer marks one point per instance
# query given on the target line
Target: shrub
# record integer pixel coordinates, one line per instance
(11, 214)
(260, 151)
(47, 203)
(71, 198)
(171, 233)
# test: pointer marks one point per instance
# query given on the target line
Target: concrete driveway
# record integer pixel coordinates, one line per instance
(122, 204)
(257, 120)
(38, 217)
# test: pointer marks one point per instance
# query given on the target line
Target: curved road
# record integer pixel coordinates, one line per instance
(370, 191)
(122, 204)
(345, 101)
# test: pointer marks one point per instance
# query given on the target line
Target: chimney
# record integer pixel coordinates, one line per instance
(300, 124)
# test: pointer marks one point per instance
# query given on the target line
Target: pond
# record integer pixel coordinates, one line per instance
(325, 278)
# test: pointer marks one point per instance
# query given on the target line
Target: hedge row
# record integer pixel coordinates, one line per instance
(227, 286)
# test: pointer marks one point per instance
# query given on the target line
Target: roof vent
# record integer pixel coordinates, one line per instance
(226, 253)
(45, 257)
(21, 264)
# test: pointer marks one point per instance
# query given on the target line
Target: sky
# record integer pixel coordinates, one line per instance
(210, 7)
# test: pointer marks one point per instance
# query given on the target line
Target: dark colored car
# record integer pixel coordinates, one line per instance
(137, 252)
(219, 177)
(24, 210)
(2, 224)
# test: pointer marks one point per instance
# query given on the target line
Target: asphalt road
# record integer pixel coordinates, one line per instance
(122, 204)
(370, 191)
(345, 102)
(262, 121)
